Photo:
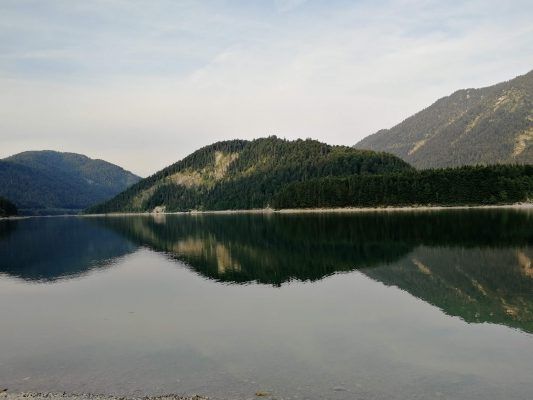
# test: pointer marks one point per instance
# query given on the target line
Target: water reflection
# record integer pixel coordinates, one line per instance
(471, 264)
(267, 249)
(477, 284)
(49, 249)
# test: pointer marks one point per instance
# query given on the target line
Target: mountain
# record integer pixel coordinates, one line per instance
(240, 174)
(48, 182)
(491, 125)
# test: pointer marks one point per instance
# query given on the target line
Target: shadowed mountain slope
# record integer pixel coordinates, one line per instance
(47, 182)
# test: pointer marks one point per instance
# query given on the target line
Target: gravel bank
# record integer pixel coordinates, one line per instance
(71, 396)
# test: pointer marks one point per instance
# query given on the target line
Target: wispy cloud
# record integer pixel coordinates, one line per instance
(288, 5)
(143, 83)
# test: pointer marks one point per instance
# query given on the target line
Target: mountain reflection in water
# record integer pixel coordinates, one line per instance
(50, 249)
(474, 264)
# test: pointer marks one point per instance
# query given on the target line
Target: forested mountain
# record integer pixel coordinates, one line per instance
(241, 174)
(472, 126)
(7, 208)
(44, 182)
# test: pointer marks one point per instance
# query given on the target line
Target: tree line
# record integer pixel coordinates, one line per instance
(469, 185)
(7, 208)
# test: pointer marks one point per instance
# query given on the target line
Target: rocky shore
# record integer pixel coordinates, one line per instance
(72, 396)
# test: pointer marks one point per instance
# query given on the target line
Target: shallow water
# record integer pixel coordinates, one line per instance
(327, 306)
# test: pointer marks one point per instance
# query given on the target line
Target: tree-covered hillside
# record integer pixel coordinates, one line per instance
(492, 125)
(48, 182)
(7, 208)
(241, 174)
(95, 172)
(498, 184)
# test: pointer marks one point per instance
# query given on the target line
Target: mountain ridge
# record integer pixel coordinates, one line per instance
(490, 125)
(51, 182)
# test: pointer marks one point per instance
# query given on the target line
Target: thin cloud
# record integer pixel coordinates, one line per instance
(143, 84)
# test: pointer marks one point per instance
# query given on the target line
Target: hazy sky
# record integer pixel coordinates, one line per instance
(143, 83)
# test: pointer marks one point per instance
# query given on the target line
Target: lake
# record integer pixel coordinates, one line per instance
(378, 305)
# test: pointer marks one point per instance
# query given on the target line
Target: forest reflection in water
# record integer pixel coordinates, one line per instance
(474, 264)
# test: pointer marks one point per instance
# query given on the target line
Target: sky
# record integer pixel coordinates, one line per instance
(144, 83)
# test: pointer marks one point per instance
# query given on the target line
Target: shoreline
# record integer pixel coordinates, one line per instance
(332, 210)
(516, 206)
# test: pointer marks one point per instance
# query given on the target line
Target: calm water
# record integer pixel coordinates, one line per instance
(369, 306)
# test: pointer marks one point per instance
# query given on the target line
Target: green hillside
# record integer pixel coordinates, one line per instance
(492, 125)
(49, 182)
(241, 174)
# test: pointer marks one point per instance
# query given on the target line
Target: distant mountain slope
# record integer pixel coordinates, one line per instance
(239, 174)
(46, 182)
(472, 126)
